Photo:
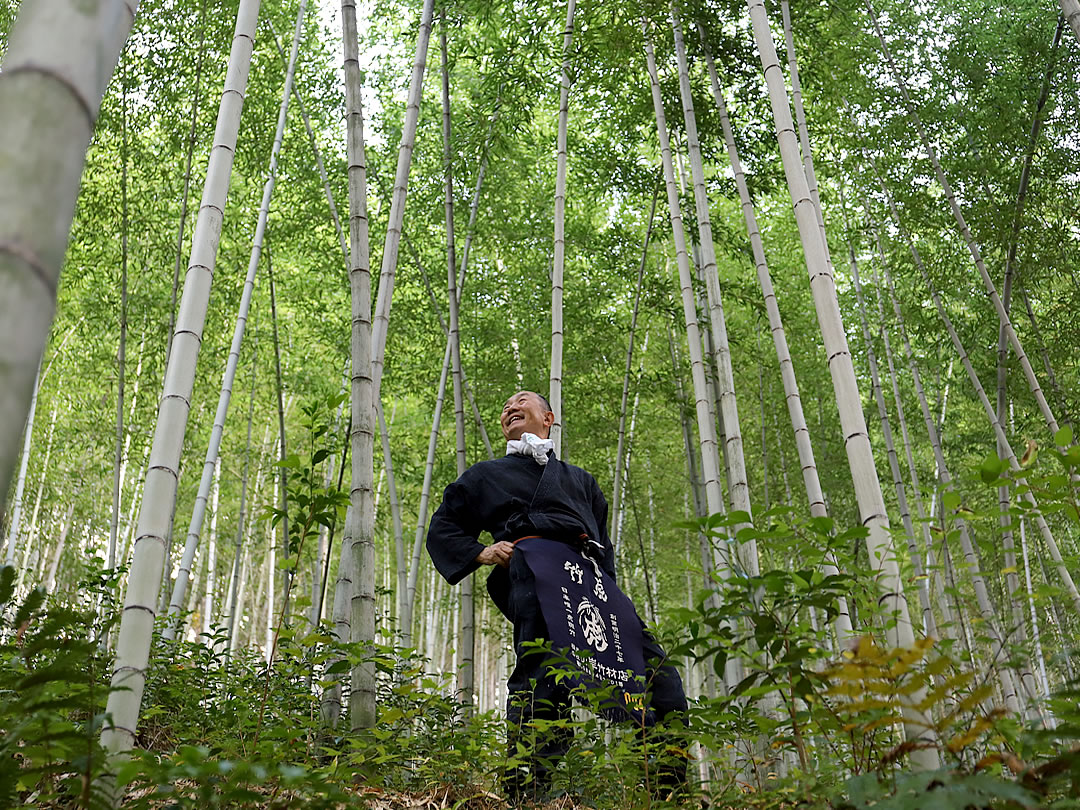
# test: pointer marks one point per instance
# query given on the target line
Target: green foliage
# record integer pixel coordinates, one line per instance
(53, 688)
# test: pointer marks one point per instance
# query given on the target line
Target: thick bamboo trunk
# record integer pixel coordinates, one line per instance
(1071, 10)
(803, 445)
(559, 258)
(60, 57)
(738, 488)
(392, 244)
(871, 503)
(965, 232)
(800, 117)
(155, 514)
(198, 513)
(616, 492)
(360, 519)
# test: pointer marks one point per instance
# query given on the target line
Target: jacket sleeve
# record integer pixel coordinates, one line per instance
(453, 532)
(600, 515)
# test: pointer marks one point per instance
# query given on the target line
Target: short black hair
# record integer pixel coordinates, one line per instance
(545, 401)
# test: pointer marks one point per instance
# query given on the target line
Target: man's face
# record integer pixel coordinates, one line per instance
(525, 412)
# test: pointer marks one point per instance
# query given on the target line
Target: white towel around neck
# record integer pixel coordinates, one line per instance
(530, 445)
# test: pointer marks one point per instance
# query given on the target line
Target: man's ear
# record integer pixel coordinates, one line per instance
(549, 419)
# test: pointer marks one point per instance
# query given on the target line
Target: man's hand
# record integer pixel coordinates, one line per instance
(496, 554)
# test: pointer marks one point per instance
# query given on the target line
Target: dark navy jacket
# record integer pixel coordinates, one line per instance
(513, 497)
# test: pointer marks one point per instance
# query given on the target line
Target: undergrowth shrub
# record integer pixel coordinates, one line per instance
(809, 725)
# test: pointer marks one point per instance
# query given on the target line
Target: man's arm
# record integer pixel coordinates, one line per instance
(452, 534)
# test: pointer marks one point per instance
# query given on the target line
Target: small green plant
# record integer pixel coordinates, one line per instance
(52, 692)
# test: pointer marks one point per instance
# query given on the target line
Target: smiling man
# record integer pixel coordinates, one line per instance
(553, 564)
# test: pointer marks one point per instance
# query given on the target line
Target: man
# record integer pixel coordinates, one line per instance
(527, 495)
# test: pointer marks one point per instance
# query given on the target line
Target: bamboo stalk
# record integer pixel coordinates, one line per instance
(804, 447)
(616, 492)
(155, 514)
(341, 626)
(391, 481)
(360, 519)
(800, 117)
(1071, 11)
(60, 57)
(20, 481)
(210, 463)
(466, 648)
(761, 417)
(559, 259)
(717, 562)
(185, 195)
(986, 609)
(882, 554)
(211, 554)
(706, 429)
(318, 159)
(31, 535)
(409, 597)
(49, 582)
(118, 456)
(929, 624)
(381, 322)
(234, 579)
(465, 387)
(738, 488)
(1041, 342)
(283, 472)
(1039, 656)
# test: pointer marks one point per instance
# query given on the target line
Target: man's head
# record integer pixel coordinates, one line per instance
(526, 412)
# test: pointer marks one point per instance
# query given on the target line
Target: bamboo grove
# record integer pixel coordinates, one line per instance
(806, 268)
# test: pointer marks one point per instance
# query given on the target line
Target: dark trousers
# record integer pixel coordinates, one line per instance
(535, 694)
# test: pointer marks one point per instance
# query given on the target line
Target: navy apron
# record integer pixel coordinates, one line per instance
(589, 617)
